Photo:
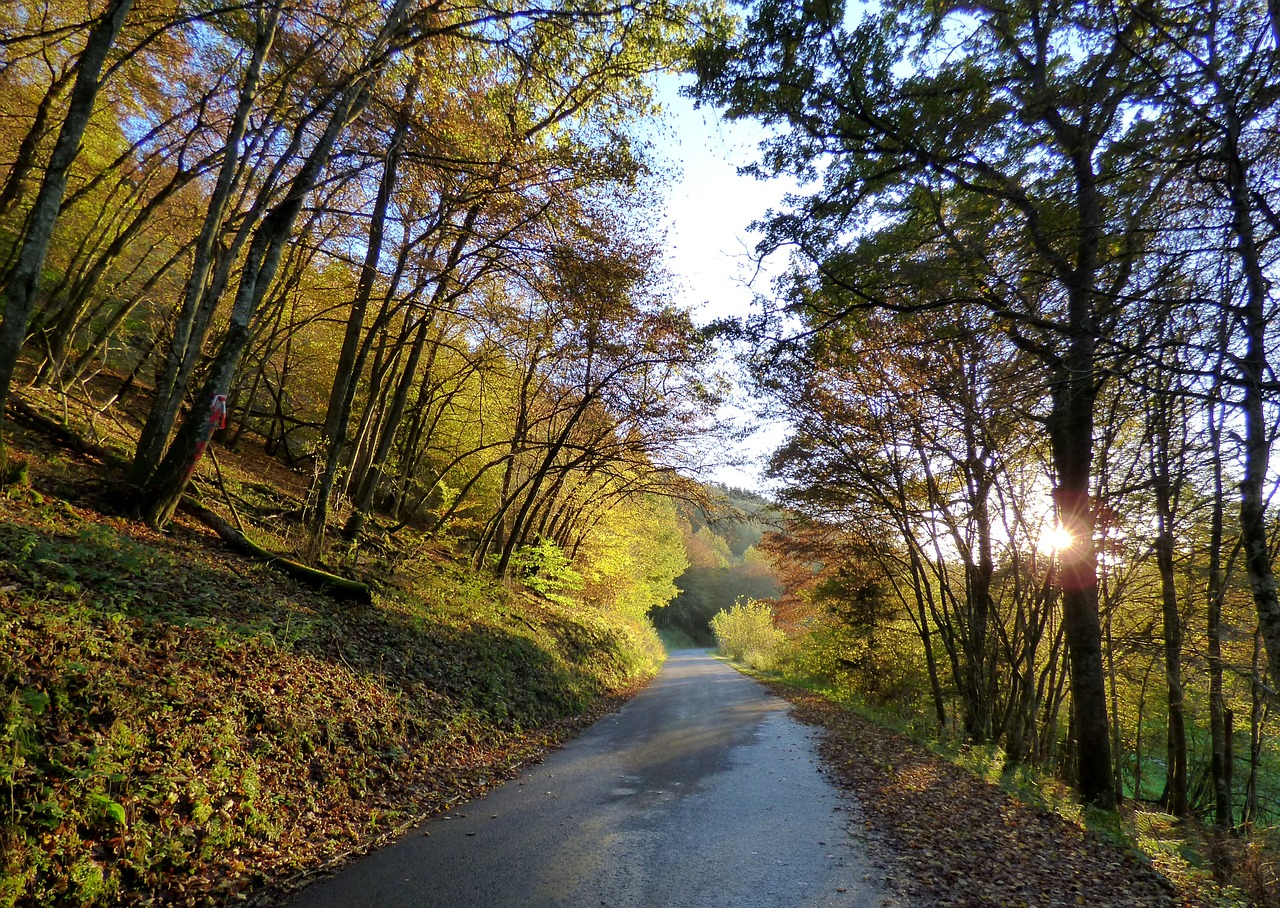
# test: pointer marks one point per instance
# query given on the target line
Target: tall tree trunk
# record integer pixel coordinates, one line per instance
(164, 489)
(1175, 797)
(926, 639)
(1254, 369)
(1254, 373)
(350, 357)
(1176, 791)
(24, 282)
(978, 717)
(25, 160)
(364, 495)
(198, 299)
(1258, 709)
(1073, 396)
(1219, 765)
(1071, 442)
(1113, 688)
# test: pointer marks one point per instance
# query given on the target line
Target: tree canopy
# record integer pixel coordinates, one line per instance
(1029, 286)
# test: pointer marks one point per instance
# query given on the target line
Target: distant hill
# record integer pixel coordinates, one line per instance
(724, 563)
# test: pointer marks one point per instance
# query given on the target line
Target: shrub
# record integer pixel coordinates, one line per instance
(745, 633)
(547, 569)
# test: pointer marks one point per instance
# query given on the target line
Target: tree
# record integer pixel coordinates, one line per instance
(23, 282)
(163, 489)
(1217, 75)
(200, 297)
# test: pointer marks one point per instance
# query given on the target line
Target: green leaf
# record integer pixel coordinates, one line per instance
(103, 806)
(48, 814)
(35, 700)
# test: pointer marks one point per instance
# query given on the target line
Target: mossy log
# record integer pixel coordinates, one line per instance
(342, 587)
(23, 412)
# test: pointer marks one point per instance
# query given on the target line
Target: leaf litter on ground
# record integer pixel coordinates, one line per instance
(952, 840)
(182, 726)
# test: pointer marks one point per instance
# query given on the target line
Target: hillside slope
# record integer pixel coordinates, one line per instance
(179, 725)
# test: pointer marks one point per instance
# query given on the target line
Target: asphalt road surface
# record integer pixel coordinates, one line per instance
(700, 792)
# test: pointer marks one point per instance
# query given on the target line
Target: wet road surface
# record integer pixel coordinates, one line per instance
(700, 792)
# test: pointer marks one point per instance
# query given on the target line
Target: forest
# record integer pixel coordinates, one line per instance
(381, 285)
(1026, 346)
(722, 536)
(375, 292)
(409, 245)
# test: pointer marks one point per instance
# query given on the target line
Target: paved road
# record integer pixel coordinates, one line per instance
(700, 792)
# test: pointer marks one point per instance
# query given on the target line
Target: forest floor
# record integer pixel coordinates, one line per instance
(955, 839)
(181, 725)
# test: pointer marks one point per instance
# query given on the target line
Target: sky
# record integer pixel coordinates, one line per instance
(710, 207)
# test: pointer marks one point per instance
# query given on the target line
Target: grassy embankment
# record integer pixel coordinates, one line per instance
(179, 725)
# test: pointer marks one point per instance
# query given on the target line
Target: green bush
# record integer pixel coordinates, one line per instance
(547, 569)
(745, 633)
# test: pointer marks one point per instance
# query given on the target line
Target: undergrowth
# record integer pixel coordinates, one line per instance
(178, 726)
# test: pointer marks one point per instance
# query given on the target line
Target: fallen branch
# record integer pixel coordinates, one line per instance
(23, 412)
(338, 586)
(226, 493)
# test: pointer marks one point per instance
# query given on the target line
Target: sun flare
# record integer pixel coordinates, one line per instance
(1055, 539)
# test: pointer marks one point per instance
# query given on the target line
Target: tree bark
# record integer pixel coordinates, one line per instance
(1175, 795)
(1254, 369)
(1176, 792)
(1071, 443)
(1215, 590)
(1257, 717)
(25, 160)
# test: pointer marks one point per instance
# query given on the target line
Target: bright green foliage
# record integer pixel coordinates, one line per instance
(546, 569)
(724, 564)
(745, 633)
(885, 669)
(633, 558)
